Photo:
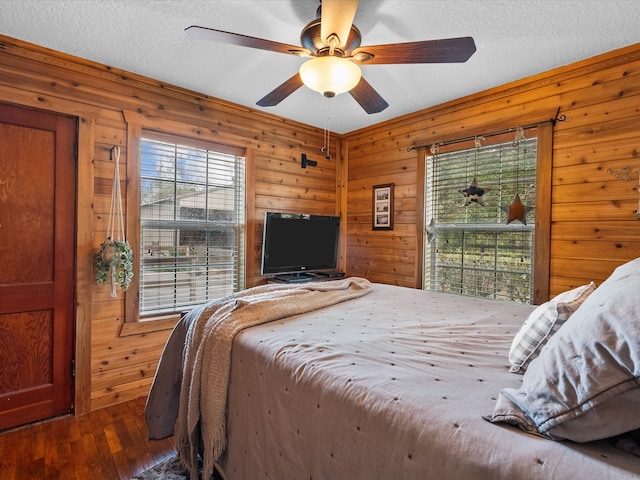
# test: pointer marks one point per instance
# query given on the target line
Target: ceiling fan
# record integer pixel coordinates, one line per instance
(332, 44)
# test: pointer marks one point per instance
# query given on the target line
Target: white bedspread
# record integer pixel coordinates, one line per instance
(392, 385)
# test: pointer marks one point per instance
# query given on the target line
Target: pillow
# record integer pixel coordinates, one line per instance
(585, 384)
(542, 323)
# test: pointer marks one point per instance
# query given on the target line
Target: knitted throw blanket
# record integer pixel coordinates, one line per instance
(207, 356)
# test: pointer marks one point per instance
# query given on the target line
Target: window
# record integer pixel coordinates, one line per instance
(469, 248)
(191, 223)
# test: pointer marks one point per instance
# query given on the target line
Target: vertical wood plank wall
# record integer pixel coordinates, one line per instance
(113, 368)
(593, 214)
(594, 227)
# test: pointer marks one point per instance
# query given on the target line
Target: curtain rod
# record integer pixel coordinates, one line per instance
(557, 118)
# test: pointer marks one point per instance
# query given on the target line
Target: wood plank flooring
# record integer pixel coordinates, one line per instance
(107, 444)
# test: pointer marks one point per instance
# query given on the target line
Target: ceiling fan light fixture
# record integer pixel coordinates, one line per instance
(330, 75)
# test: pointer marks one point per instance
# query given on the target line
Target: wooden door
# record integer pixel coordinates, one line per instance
(37, 252)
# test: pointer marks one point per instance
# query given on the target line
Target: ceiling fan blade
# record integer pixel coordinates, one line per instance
(446, 50)
(281, 92)
(336, 18)
(213, 35)
(368, 98)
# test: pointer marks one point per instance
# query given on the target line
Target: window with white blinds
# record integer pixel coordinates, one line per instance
(470, 249)
(191, 223)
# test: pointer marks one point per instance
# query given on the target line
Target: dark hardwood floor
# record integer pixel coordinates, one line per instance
(107, 444)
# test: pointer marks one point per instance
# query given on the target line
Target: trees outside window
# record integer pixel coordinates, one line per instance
(469, 248)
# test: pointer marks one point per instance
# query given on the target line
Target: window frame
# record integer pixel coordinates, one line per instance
(139, 126)
(542, 238)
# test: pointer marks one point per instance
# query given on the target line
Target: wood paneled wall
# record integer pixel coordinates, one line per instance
(594, 225)
(593, 214)
(111, 367)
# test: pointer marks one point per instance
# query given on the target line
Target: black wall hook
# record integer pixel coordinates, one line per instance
(304, 161)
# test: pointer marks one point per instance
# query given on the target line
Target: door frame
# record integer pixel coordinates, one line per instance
(84, 259)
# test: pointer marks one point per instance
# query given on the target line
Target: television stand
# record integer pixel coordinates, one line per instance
(330, 274)
(302, 277)
(295, 277)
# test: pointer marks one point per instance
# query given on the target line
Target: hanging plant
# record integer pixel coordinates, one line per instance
(114, 260)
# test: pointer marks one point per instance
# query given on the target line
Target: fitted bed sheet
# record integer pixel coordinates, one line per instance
(392, 385)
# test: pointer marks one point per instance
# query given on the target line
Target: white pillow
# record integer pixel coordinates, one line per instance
(585, 384)
(542, 323)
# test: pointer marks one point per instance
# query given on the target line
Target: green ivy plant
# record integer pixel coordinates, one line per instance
(114, 261)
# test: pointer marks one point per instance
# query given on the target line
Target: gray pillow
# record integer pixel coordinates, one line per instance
(585, 384)
(542, 324)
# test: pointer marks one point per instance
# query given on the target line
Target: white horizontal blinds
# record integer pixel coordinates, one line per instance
(473, 251)
(191, 223)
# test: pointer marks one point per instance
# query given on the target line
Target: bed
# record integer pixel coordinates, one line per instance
(397, 383)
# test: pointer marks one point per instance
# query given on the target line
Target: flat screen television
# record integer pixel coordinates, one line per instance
(297, 243)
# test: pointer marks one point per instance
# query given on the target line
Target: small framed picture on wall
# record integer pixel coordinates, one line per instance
(383, 207)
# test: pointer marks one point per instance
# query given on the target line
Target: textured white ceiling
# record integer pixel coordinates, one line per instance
(514, 39)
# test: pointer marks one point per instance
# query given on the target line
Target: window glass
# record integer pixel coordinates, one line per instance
(191, 223)
(473, 245)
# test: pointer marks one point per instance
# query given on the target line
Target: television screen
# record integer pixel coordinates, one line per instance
(295, 242)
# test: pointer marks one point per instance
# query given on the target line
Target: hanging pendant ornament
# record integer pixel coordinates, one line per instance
(431, 231)
(517, 210)
(474, 193)
(431, 228)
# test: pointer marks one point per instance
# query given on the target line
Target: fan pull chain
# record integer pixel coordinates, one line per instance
(325, 139)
